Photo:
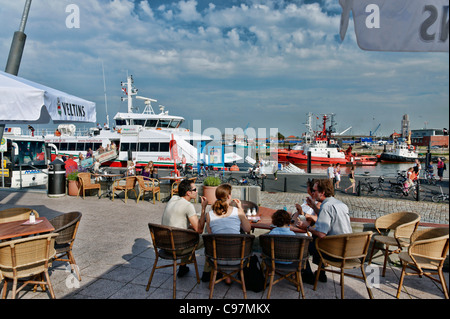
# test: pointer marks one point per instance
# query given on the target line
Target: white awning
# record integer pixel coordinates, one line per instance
(24, 101)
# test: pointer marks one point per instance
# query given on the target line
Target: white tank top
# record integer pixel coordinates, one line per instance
(225, 225)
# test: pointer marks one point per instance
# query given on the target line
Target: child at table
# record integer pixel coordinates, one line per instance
(281, 219)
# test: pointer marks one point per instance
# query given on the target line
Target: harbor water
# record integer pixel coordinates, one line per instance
(381, 169)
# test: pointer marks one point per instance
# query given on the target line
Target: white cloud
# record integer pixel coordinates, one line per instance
(238, 50)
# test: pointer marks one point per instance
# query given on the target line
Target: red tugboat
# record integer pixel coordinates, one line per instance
(324, 150)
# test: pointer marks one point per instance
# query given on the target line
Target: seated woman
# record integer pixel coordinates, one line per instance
(224, 218)
(309, 206)
(150, 170)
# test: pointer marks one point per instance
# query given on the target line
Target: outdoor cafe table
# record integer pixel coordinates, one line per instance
(109, 179)
(265, 222)
(18, 229)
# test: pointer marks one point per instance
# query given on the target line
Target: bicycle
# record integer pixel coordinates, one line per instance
(430, 178)
(440, 197)
(370, 188)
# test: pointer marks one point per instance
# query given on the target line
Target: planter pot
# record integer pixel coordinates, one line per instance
(73, 188)
(210, 193)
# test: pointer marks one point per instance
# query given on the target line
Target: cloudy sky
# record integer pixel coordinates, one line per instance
(230, 63)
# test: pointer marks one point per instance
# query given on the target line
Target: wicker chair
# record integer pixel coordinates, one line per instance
(24, 259)
(403, 224)
(66, 225)
(173, 243)
(130, 184)
(347, 251)
(85, 182)
(174, 188)
(227, 254)
(150, 185)
(284, 255)
(426, 256)
(15, 214)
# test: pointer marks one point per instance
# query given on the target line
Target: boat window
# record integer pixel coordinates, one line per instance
(72, 146)
(63, 147)
(133, 147)
(143, 147)
(120, 122)
(164, 147)
(29, 153)
(163, 123)
(139, 122)
(151, 123)
(154, 147)
(124, 147)
(87, 146)
(96, 146)
(80, 146)
(174, 123)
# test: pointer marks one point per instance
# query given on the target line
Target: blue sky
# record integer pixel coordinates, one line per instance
(230, 63)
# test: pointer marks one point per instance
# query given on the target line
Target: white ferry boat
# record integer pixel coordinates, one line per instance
(141, 137)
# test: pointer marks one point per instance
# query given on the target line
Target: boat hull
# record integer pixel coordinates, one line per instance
(392, 158)
(300, 158)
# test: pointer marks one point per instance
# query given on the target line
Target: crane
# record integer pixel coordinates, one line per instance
(342, 131)
(372, 133)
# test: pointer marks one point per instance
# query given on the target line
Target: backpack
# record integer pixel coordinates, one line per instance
(253, 275)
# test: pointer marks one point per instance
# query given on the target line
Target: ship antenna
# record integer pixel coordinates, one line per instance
(106, 101)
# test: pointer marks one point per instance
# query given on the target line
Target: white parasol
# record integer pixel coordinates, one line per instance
(24, 101)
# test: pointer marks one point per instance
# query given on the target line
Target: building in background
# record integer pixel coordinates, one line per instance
(432, 137)
(405, 126)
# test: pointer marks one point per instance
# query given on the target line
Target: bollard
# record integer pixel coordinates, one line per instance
(358, 188)
(285, 184)
(263, 186)
(308, 168)
(417, 191)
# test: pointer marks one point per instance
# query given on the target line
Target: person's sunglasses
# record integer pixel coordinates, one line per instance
(193, 190)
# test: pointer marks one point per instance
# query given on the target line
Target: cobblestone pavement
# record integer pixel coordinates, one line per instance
(366, 207)
(114, 252)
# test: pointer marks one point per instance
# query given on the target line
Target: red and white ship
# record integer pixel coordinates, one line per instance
(324, 150)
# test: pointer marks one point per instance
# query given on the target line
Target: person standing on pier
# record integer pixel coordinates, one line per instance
(351, 177)
(440, 167)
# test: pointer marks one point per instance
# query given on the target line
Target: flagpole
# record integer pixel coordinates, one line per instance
(16, 50)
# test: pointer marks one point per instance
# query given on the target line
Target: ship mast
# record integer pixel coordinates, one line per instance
(129, 90)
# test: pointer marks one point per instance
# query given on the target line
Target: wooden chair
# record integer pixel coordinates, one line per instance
(284, 255)
(66, 225)
(227, 254)
(24, 259)
(347, 251)
(130, 184)
(85, 184)
(426, 256)
(15, 214)
(150, 185)
(174, 188)
(403, 224)
(173, 243)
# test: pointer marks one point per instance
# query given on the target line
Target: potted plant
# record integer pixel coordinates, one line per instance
(73, 185)
(209, 188)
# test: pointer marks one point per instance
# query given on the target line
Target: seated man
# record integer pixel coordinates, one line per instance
(180, 212)
(333, 219)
